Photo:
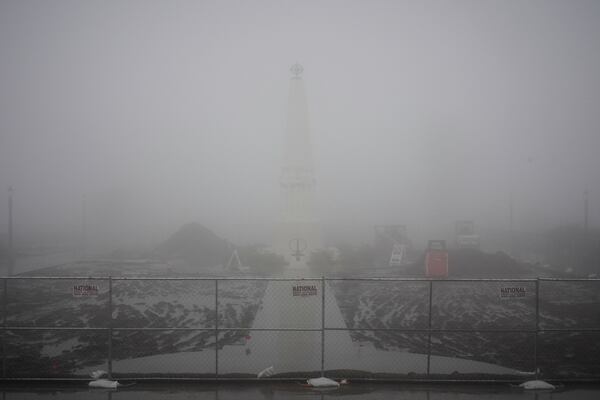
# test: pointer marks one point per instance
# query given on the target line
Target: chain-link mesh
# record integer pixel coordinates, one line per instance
(239, 303)
(480, 354)
(569, 315)
(375, 354)
(75, 303)
(163, 353)
(3, 293)
(150, 309)
(369, 328)
(284, 353)
(481, 305)
(290, 304)
(163, 303)
(480, 328)
(58, 353)
(284, 318)
(69, 304)
(377, 304)
(569, 304)
(563, 355)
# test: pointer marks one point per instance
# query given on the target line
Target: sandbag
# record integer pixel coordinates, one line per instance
(537, 385)
(104, 383)
(322, 382)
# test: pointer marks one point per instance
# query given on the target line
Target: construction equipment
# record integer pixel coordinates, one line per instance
(391, 239)
(466, 238)
(235, 263)
(436, 259)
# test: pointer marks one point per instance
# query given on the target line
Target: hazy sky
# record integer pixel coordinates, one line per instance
(421, 112)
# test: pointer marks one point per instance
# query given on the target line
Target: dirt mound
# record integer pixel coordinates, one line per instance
(195, 244)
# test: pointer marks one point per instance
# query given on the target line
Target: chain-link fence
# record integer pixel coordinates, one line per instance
(220, 328)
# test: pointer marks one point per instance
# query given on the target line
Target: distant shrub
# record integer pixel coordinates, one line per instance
(261, 261)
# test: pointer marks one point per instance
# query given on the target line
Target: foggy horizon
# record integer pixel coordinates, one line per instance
(265, 199)
(420, 113)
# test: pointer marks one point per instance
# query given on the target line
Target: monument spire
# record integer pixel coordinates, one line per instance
(297, 303)
(298, 227)
(297, 70)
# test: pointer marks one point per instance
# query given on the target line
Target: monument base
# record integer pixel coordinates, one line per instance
(295, 241)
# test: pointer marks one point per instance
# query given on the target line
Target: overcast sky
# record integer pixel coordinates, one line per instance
(421, 112)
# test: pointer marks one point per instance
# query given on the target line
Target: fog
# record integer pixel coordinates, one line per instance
(421, 113)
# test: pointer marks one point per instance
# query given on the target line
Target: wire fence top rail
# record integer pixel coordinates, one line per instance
(287, 279)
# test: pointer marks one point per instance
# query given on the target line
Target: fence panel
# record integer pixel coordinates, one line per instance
(483, 328)
(155, 303)
(363, 328)
(3, 299)
(290, 304)
(282, 320)
(56, 353)
(160, 353)
(375, 354)
(377, 304)
(569, 304)
(569, 355)
(370, 328)
(569, 317)
(482, 354)
(163, 328)
(290, 353)
(239, 302)
(75, 303)
(484, 305)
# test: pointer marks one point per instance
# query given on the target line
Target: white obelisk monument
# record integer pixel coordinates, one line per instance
(287, 329)
(295, 303)
(298, 233)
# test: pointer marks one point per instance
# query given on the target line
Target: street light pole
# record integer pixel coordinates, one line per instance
(585, 212)
(11, 255)
(83, 226)
(511, 226)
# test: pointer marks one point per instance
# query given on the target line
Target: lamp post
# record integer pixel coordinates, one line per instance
(585, 212)
(83, 226)
(11, 256)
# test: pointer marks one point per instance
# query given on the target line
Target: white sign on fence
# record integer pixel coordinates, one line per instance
(304, 290)
(511, 292)
(86, 290)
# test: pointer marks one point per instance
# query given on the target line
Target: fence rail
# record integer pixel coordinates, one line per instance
(62, 327)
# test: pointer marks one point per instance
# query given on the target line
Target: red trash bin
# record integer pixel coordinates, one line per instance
(436, 259)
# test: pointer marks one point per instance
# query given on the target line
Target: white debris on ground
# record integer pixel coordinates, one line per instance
(104, 384)
(322, 382)
(537, 385)
(266, 372)
(98, 374)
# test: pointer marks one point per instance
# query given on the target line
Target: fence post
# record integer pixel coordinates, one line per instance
(217, 328)
(322, 325)
(429, 329)
(537, 327)
(4, 317)
(110, 326)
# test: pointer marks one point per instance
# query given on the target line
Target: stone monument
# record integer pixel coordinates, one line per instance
(297, 233)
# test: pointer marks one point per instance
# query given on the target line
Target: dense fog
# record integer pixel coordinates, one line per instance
(146, 115)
